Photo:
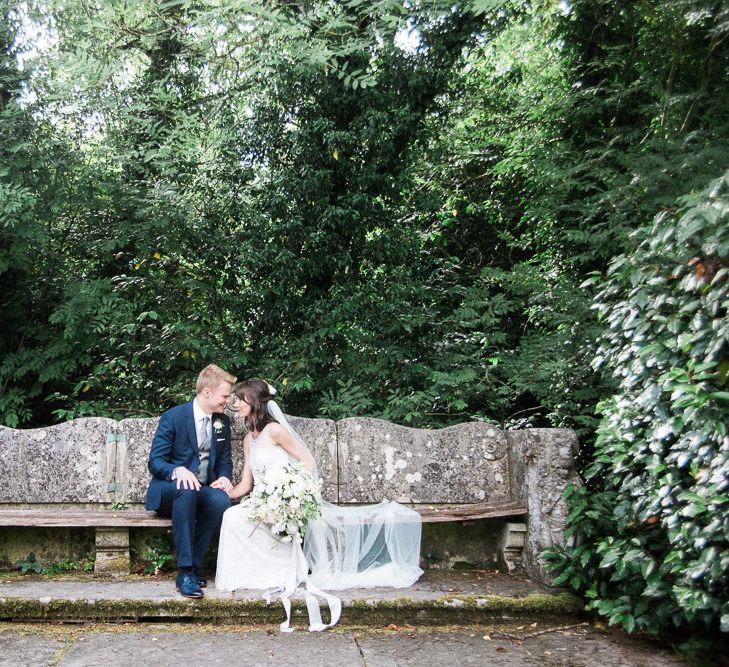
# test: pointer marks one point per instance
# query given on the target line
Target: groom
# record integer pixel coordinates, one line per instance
(191, 470)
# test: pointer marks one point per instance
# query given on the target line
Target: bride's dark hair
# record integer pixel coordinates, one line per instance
(255, 392)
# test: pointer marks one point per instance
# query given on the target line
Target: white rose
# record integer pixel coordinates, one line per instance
(276, 477)
(294, 503)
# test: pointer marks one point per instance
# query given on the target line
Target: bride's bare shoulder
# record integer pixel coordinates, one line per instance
(275, 430)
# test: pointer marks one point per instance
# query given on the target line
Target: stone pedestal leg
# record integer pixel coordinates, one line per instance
(513, 539)
(112, 551)
(542, 465)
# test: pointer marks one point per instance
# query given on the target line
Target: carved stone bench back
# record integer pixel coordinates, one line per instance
(467, 463)
(66, 463)
(360, 460)
(133, 451)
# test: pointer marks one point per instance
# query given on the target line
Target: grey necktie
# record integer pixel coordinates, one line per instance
(204, 449)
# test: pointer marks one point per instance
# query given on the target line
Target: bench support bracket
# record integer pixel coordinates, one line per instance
(513, 539)
(112, 551)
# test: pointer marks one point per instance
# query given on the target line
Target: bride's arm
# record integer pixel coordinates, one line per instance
(285, 440)
(245, 485)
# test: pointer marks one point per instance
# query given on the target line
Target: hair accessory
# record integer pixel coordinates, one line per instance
(271, 390)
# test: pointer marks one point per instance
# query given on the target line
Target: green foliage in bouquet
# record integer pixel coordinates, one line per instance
(655, 527)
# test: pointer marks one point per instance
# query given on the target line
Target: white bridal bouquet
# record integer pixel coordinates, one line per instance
(287, 499)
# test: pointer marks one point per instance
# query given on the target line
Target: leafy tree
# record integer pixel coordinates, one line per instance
(32, 166)
(189, 233)
(283, 188)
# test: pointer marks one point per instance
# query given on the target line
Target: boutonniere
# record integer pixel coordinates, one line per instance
(218, 426)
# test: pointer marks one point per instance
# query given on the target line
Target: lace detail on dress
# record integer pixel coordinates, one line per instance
(265, 455)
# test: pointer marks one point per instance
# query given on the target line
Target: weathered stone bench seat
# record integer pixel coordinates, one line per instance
(69, 475)
(112, 525)
(106, 518)
(86, 518)
(470, 512)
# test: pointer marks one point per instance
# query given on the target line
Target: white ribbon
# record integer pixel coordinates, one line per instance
(312, 606)
(300, 575)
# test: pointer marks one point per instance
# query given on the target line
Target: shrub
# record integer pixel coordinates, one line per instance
(653, 518)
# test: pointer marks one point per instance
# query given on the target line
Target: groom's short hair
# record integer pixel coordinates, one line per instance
(211, 376)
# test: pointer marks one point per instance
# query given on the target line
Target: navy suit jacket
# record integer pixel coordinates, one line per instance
(175, 444)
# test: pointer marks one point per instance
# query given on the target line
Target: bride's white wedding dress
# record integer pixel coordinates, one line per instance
(348, 547)
(249, 556)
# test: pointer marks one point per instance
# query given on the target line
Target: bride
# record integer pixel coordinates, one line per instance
(347, 547)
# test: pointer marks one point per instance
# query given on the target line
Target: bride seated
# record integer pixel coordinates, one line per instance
(346, 547)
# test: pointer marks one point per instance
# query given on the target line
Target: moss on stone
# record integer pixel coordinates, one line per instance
(364, 612)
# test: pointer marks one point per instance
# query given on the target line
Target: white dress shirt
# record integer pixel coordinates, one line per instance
(198, 414)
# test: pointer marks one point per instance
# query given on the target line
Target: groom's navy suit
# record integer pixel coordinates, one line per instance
(196, 515)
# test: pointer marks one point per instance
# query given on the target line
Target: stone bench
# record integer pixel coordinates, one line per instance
(72, 475)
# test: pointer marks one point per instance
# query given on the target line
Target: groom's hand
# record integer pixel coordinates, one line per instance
(222, 483)
(186, 479)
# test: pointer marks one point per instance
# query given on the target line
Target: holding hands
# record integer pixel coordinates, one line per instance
(188, 480)
(222, 483)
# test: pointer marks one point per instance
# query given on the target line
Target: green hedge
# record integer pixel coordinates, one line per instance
(652, 522)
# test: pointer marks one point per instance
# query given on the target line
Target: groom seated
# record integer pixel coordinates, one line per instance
(191, 468)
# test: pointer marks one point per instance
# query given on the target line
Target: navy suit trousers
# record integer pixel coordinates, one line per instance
(196, 519)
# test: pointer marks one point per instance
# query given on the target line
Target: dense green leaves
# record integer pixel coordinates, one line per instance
(222, 201)
(662, 452)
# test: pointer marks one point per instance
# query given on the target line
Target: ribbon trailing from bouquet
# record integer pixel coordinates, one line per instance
(298, 585)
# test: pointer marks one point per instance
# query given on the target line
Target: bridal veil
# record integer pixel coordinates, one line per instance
(360, 546)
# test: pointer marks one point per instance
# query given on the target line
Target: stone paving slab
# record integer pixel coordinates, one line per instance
(471, 646)
(21, 650)
(579, 649)
(249, 648)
